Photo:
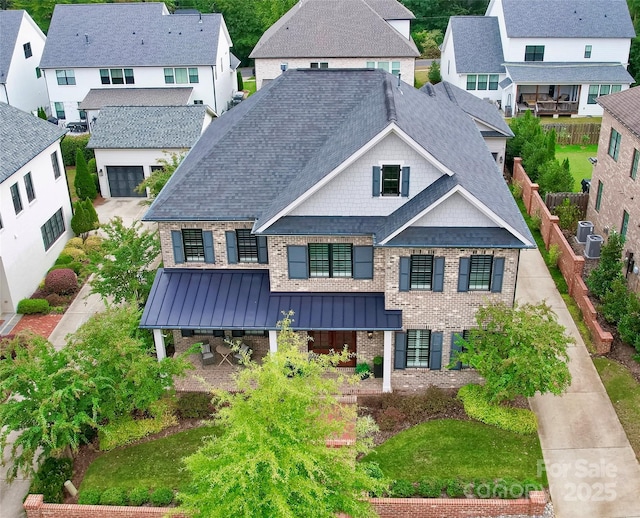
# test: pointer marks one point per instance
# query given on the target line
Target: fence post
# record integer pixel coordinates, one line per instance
(32, 505)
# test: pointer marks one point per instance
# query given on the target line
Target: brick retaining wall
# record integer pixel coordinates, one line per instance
(385, 507)
(570, 264)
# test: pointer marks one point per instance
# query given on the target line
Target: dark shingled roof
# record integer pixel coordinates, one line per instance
(477, 45)
(148, 127)
(391, 10)
(258, 158)
(23, 137)
(568, 73)
(241, 299)
(325, 225)
(332, 29)
(99, 97)
(135, 34)
(624, 107)
(477, 108)
(567, 19)
(9, 27)
(455, 237)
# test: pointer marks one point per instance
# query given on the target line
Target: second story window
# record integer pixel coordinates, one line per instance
(193, 245)
(55, 164)
(319, 64)
(247, 246)
(634, 164)
(625, 223)
(27, 50)
(66, 77)
(390, 180)
(481, 273)
(614, 144)
(180, 76)
(28, 185)
(117, 76)
(421, 272)
(330, 260)
(587, 51)
(15, 196)
(534, 53)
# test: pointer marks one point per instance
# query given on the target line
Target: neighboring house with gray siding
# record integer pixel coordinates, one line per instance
(615, 183)
(129, 142)
(136, 45)
(35, 208)
(553, 58)
(338, 34)
(380, 219)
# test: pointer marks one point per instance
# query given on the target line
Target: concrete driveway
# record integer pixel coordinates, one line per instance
(129, 209)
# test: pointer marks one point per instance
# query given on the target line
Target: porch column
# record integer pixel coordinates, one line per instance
(158, 340)
(273, 341)
(387, 361)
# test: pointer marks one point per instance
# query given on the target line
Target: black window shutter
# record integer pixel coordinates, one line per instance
(455, 348)
(232, 247)
(207, 239)
(178, 250)
(298, 265)
(400, 358)
(438, 273)
(376, 180)
(363, 262)
(405, 268)
(497, 274)
(463, 274)
(404, 189)
(435, 352)
(186, 332)
(263, 256)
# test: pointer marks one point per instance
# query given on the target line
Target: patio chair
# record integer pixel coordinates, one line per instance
(207, 357)
(242, 352)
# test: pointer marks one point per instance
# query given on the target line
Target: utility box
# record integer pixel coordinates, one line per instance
(592, 248)
(584, 229)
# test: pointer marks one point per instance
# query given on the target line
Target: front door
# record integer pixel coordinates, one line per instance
(324, 341)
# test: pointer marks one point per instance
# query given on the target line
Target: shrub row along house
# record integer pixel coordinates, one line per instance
(381, 219)
(35, 208)
(549, 57)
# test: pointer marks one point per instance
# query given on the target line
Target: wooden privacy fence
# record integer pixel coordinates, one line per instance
(583, 134)
(579, 199)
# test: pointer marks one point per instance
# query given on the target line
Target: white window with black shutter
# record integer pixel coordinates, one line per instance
(418, 348)
(330, 260)
(421, 272)
(390, 180)
(244, 247)
(192, 245)
(481, 273)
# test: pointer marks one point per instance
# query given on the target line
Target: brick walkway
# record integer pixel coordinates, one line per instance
(42, 325)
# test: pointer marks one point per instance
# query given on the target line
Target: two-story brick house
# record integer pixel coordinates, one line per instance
(137, 45)
(338, 34)
(615, 187)
(380, 219)
(554, 58)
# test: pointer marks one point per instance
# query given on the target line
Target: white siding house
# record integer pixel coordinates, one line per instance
(21, 46)
(95, 46)
(322, 34)
(35, 208)
(554, 58)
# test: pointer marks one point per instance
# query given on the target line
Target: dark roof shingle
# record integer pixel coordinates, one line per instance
(22, 137)
(99, 97)
(477, 45)
(568, 73)
(9, 27)
(625, 107)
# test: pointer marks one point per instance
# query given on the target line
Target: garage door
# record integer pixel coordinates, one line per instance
(124, 179)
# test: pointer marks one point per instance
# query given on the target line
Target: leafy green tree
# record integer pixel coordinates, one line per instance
(434, 73)
(271, 459)
(525, 129)
(41, 113)
(84, 184)
(609, 269)
(537, 152)
(52, 404)
(123, 265)
(85, 218)
(555, 177)
(629, 324)
(518, 351)
(428, 42)
(158, 178)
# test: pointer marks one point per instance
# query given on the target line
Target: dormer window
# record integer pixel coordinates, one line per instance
(390, 180)
(534, 53)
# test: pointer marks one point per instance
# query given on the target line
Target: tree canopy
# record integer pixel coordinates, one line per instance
(85, 218)
(158, 178)
(518, 351)
(272, 458)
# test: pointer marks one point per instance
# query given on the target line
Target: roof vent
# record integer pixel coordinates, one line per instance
(86, 38)
(142, 41)
(430, 90)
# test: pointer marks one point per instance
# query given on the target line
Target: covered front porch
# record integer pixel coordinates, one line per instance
(218, 305)
(548, 99)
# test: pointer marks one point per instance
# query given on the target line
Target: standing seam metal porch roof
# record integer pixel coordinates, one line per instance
(241, 299)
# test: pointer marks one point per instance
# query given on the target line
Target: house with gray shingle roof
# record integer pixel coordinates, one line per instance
(380, 219)
(21, 46)
(550, 57)
(35, 208)
(131, 141)
(136, 45)
(338, 34)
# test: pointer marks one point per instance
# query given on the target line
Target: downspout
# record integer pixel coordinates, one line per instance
(213, 77)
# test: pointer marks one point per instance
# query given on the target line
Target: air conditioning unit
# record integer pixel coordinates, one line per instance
(584, 229)
(592, 248)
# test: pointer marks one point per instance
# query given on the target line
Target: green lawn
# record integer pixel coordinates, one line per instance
(152, 464)
(624, 392)
(71, 177)
(578, 161)
(249, 85)
(466, 449)
(421, 77)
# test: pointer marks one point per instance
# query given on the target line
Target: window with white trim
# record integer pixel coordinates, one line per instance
(52, 229)
(117, 76)
(596, 91)
(421, 272)
(193, 244)
(418, 347)
(480, 272)
(66, 77)
(28, 186)
(319, 64)
(15, 197)
(330, 260)
(180, 76)
(387, 66)
(27, 50)
(482, 81)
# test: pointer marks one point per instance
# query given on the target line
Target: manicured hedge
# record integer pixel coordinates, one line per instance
(32, 306)
(69, 146)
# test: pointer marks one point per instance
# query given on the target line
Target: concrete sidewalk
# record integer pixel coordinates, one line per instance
(592, 470)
